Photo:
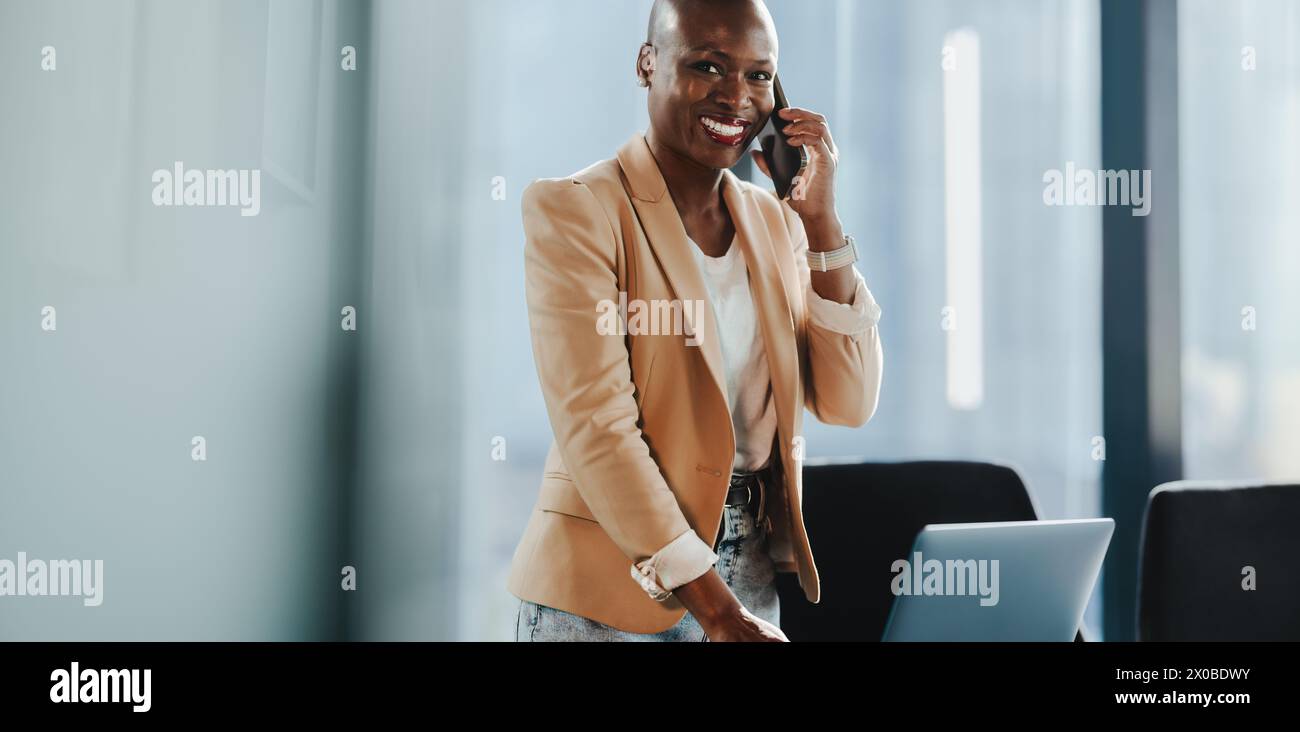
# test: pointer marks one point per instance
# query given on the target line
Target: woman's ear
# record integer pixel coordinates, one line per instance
(645, 65)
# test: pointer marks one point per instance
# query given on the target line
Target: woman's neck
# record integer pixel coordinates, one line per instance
(695, 189)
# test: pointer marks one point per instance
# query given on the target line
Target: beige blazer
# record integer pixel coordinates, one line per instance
(643, 443)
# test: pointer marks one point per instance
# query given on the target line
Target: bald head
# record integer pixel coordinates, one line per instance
(668, 18)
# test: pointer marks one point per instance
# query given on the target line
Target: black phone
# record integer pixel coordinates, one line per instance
(784, 161)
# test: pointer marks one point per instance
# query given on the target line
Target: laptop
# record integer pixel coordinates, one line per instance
(998, 581)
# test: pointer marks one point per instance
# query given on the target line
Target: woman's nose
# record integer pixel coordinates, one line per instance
(730, 90)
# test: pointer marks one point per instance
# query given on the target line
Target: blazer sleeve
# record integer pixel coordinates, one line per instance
(569, 268)
(845, 358)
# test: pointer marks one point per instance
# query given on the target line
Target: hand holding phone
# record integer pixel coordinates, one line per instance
(784, 161)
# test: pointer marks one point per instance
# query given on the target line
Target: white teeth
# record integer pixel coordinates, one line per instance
(721, 129)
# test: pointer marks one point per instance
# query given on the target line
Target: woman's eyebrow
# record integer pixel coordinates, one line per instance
(727, 56)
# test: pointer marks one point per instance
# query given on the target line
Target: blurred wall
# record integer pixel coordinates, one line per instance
(174, 322)
(408, 532)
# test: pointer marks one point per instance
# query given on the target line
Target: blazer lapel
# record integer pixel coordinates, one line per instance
(668, 240)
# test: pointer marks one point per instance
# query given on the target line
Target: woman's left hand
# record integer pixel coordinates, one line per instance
(813, 196)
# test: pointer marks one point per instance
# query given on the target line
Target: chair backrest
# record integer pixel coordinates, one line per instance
(861, 517)
(1201, 544)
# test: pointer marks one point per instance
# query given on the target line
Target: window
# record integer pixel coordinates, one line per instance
(1019, 382)
(1239, 99)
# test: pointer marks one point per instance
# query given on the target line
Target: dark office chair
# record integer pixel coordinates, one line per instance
(1197, 540)
(861, 517)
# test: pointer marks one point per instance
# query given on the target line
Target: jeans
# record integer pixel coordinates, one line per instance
(743, 563)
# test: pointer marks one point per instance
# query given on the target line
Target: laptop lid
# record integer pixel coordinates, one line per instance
(999, 581)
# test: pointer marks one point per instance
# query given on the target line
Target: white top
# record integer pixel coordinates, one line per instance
(740, 336)
(749, 391)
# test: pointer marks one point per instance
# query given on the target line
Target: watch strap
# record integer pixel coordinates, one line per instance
(834, 259)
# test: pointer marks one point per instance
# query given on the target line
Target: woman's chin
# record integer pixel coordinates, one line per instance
(719, 158)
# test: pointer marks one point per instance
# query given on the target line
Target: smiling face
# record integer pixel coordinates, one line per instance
(710, 65)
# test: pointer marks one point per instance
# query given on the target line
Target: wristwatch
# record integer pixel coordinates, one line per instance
(834, 259)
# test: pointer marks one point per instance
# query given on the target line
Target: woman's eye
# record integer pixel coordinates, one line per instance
(763, 76)
(705, 66)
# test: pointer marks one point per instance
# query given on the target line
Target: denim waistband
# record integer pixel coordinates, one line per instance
(745, 489)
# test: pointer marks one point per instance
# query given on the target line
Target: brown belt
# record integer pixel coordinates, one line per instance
(748, 490)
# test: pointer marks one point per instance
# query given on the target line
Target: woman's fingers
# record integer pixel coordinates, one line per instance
(814, 130)
(812, 141)
(806, 123)
(807, 131)
(817, 149)
(808, 127)
(793, 113)
(821, 147)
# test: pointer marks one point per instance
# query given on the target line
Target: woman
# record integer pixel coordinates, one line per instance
(672, 492)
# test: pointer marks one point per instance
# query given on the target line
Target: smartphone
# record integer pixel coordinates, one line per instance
(784, 161)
